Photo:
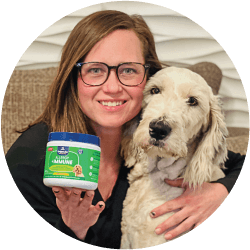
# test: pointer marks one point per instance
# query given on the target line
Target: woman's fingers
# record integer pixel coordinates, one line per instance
(78, 213)
(60, 193)
(167, 207)
(183, 227)
(87, 199)
(172, 205)
(99, 207)
(175, 183)
(72, 198)
(75, 196)
(172, 221)
(86, 204)
(195, 206)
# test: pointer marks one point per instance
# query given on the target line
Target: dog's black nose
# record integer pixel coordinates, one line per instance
(158, 129)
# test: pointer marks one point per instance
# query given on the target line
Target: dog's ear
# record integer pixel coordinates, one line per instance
(129, 151)
(211, 151)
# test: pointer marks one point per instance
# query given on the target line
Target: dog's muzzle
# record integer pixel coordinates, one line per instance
(159, 130)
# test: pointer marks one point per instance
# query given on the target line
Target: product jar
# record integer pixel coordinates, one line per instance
(72, 160)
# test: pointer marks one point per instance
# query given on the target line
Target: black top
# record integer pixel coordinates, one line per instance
(26, 160)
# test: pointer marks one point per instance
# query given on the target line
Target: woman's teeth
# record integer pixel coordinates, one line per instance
(112, 104)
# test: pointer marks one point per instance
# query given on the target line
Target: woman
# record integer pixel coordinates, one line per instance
(104, 41)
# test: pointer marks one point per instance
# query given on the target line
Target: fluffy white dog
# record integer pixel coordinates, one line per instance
(181, 133)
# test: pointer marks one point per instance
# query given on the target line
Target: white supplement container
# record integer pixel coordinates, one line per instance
(72, 160)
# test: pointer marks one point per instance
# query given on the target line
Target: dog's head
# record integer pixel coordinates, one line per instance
(181, 115)
(77, 169)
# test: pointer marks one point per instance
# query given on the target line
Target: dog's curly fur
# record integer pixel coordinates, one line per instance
(181, 133)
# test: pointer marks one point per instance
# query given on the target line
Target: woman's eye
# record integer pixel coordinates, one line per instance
(128, 71)
(192, 101)
(95, 70)
(154, 91)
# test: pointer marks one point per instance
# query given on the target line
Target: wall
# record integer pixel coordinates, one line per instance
(178, 40)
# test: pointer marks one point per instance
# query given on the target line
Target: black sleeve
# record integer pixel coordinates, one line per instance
(233, 166)
(40, 197)
(26, 160)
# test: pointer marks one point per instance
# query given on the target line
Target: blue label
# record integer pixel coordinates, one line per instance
(62, 150)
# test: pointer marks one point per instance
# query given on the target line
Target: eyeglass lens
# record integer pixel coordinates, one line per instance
(130, 74)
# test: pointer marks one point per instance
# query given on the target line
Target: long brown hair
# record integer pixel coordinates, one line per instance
(63, 110)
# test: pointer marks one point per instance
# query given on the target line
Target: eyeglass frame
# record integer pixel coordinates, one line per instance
(146, 67)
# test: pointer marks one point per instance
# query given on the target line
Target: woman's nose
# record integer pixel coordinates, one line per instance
(112, 85)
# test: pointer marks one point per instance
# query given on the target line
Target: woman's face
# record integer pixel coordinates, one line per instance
(113, 104)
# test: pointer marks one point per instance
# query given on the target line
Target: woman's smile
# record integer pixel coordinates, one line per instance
(109, 103)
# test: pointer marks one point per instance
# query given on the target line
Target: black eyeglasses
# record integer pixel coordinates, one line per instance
(97, 73)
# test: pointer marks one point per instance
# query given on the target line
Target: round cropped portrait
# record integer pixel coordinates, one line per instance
(125, 125)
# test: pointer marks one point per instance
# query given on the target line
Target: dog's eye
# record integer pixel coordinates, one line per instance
(192, 101)
(154, 91)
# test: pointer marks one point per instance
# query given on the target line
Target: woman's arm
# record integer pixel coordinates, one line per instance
(28, 179)
(233, 167)
(26, 159)
(65, 211)
(195, 206)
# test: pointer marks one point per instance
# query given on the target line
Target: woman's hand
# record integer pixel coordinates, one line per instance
(78, 213)
(194, 205)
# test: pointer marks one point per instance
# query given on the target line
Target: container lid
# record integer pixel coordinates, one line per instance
(77, 137)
